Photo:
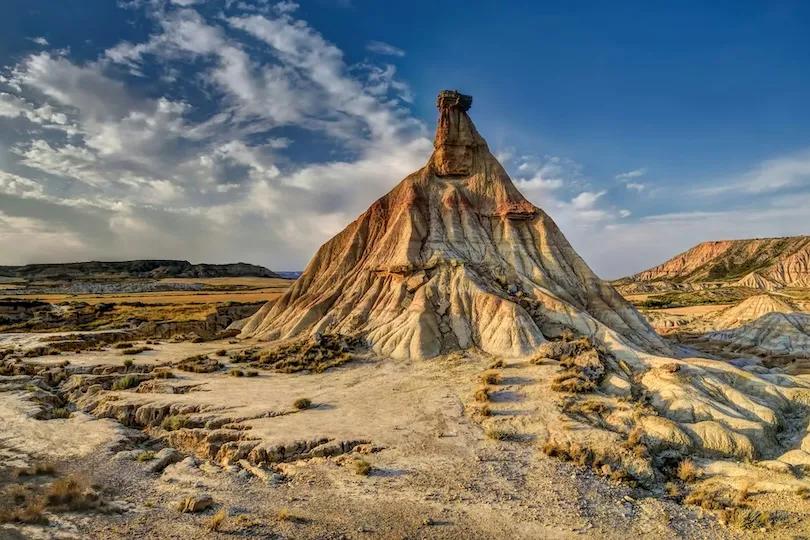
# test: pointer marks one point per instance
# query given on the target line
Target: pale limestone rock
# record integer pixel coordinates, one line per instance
(452, 235)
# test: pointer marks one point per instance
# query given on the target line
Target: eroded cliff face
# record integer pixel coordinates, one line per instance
(453, 257)
(773, 262)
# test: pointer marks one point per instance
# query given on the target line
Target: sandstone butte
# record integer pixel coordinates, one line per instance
(453, 257)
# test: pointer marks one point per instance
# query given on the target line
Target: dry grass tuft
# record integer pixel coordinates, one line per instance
(747, 518)
(302, 403)
(483, 394)
(706, 498)
(497, 364)
(199, 364)
(236, 373)
(285, 515)
(146, 455)
(362, 467)
(126, 382)
(572, 381)
(39, 469)
(215, 523)
(485, 411)
(173, 422)
(316, 355)
(499, 433)
(491, 378)
(687, 471)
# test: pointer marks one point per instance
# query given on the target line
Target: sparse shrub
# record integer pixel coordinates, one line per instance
(222, 352)
(123, 345)
(215, 523)
(804, 493)
(146, 455)
(362, 467)
(572, 381)
(199, 364)
(687, 470)
(497, 364)
(70, 493)
(126, 382)
(32, 512)
(173, 422)
(137, 350)
(236, 373)
(706, 499)
(747, 518)
(32, 388)
(60, 412)
(673, 490)
(285, 515)
(128, 362)
(483, 394)
(302, 403)
(485, 411)
(491, 378)
(499, 433)
(251, 373)
(163, 373)
(39, 469)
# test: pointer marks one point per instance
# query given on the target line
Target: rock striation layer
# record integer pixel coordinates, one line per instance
(773, 262)
(453, 257)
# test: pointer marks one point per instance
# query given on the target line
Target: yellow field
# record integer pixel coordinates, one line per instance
(257, 282)
(170, 297)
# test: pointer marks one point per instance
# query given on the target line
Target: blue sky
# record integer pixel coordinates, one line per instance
(224, 130)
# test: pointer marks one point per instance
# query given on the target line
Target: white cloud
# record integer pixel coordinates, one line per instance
(380, 47)
(625, 213)
(636, 186)
(770, 176)
(586, 199)
(636, 173)
(40, 41)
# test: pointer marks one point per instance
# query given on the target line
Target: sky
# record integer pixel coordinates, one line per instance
(254, 130)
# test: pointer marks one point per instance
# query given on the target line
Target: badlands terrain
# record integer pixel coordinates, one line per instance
(445, 367)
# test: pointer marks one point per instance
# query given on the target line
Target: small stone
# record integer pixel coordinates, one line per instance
(193, 505)
(428, 522)
(164, 458)
(127, 455)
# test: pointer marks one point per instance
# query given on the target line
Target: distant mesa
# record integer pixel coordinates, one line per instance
(139, 269)
(761, 263)
(454, 257)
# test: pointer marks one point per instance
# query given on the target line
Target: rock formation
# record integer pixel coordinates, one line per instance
(750, 309)
(453, 257)
(773, 333)
(756, 281)
(783, 261)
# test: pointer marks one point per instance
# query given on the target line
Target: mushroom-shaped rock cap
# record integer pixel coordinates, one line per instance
(454, 98)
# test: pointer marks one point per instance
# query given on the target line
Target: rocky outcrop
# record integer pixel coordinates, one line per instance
(773, 333)
(453, 257)
(781, 261)
(140, 269)
(756, 281)
(748, 310)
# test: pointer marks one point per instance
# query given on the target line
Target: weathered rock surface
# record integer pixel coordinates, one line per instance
(760, 262)
(428, 268)
(773, 333)
(749, 310)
